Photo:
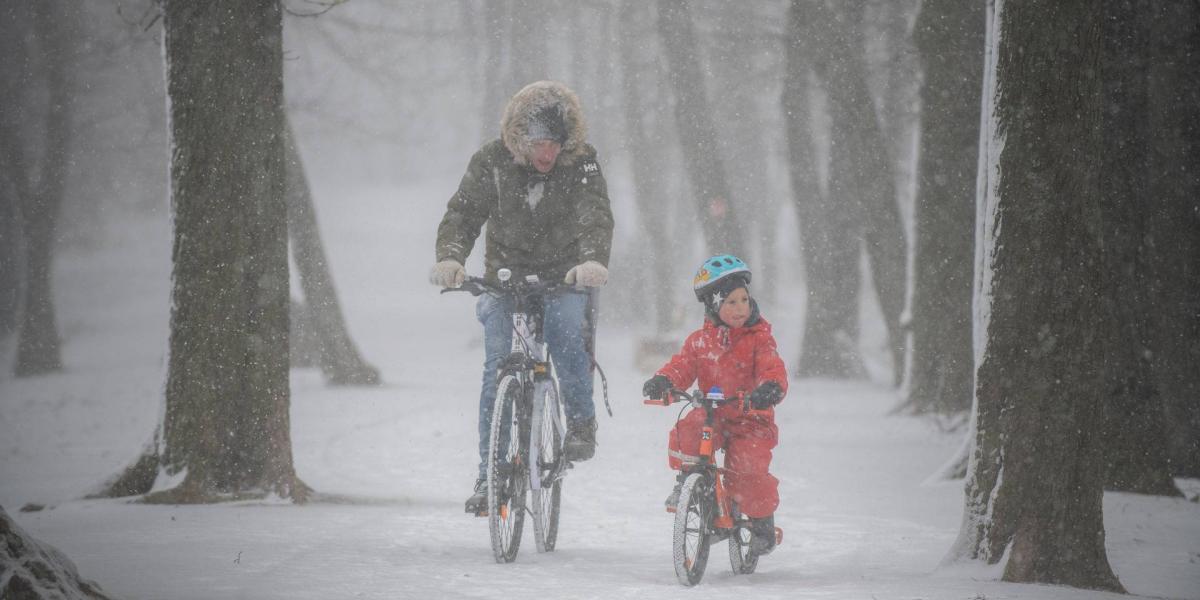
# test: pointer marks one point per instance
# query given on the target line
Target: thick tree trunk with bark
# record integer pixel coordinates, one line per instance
(10, 263)
(1174, 230)
(717, 209)
(14, 75)
(337, 354)
(949, 37)
(1035, 488)
(32, 570)
(226, 433)
(1134, 409)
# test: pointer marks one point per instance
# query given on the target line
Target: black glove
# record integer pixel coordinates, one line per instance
(766, 395)
(656, 387)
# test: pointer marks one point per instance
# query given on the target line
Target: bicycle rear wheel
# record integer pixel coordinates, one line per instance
(741, 558)
(693, 528)
(506, 476)
(546, 436)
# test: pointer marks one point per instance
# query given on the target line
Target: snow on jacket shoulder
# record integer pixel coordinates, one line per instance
(736, 360)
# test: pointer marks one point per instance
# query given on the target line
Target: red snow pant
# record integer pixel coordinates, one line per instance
(747, 440)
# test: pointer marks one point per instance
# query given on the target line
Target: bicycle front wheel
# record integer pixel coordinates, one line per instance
(547, 438)
(693, 528)
(506, 474)
(741, 557)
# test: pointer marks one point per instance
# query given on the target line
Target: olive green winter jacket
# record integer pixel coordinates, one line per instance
(571, 222)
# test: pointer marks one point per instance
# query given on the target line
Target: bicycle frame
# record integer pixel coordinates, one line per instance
(527, 405)
(707, 460)
(536, 377)
(527, 359)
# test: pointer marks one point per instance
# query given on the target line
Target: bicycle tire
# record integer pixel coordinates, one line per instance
(693, 528)
(545, 433)
(507, 482)
(742, 559)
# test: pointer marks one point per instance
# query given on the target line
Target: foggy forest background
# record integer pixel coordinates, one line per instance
(1016, 199)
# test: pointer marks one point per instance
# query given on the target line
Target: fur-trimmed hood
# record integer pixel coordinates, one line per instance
(514, 127)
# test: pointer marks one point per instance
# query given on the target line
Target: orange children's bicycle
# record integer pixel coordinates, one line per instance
(705, 513)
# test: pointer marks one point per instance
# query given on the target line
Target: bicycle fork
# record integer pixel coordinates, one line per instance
(542, 381)
(722, 520)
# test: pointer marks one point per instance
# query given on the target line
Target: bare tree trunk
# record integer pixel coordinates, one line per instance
(13, 72)
(829, 347)
(1174, 231)
(496, 64)
(698, 135)
(226, 430)
(949, 35)
(1135, 431)
(16, 74)
(740, 78)
(10, 252)
(529, 62)
(1035, 488)
(860, 175)
(644, 121)
(38, 345)
(338, 356)
(473, 25)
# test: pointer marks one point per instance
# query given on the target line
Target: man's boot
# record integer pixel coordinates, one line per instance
(580, 444)
(477, 503)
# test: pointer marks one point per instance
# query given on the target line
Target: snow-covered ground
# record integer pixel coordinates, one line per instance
(394, 463)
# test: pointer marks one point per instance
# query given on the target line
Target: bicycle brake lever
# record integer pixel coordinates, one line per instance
(467, 286)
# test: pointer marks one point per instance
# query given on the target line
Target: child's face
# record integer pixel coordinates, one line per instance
(735, 309)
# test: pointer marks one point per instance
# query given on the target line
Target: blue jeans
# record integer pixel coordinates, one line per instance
(563, 329)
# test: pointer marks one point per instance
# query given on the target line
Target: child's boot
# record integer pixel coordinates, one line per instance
(763, 535)
(673, 499)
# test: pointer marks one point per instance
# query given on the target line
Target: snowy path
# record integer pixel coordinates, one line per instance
(397, 461)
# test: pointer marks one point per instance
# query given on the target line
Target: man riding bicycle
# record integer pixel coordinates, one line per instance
(540, 191)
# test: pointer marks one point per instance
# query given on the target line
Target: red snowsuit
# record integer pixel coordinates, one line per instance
(736, 360)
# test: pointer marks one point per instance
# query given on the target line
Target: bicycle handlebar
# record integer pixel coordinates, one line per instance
(478, 285)
(696, 397)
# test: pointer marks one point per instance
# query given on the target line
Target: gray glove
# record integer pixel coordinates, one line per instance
(447, 274)
(588, 274)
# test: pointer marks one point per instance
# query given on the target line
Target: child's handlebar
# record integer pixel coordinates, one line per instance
(697, 398)
(674, 395)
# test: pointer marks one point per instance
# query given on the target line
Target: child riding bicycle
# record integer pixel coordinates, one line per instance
(735, 352)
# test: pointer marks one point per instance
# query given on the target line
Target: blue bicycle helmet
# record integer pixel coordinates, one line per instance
(719, 272)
